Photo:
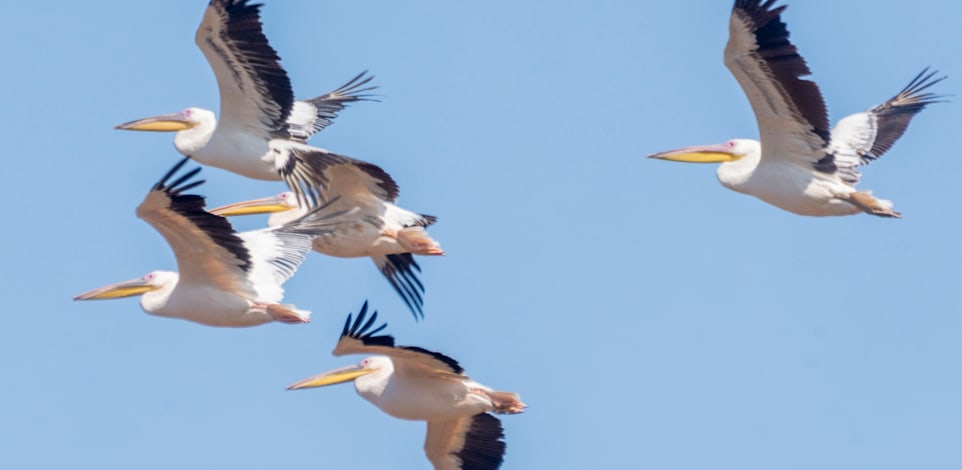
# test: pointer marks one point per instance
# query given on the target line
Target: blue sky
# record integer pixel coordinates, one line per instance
(649, 317)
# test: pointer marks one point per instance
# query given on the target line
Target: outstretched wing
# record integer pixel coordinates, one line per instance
(279, 251)
(255, 92)
(861, 138)
(317, 175)
(309, 117)
(475, 442)
(207, 249)
(792, 120)
(359, 336)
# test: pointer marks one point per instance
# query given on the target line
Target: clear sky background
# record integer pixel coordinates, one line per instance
(649, 317)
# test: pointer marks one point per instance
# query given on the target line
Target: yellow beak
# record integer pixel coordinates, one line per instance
(717, 153)
(163, 123)
(121, 289)
(332, 377)
(265, 205)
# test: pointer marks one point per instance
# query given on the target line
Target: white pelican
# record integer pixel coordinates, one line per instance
(386, 233)
(409, 382)
(799, 165)
(226, 278)
(262, 131)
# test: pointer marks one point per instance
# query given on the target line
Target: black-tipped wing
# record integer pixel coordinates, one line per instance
(316, 175)
(207, 248)
(255, 92)
(359, 336)
(278, 251)
(470, 443)
(792, 119)
(401, 271)
(862, 138)
(309, 117)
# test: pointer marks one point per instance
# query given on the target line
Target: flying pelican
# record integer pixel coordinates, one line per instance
(412, 383)
(799, 165)
(262, 131)
(226, 278)
(382, 231)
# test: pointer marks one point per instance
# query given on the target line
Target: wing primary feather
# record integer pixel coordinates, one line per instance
(350, 91)
(893, 116)
(922, 81)
(361, 314)
(358, 320)
(428, 219)
(188, 186)
(173, 187)
(405, 297)
(361, 329)
(313, 115)
(409, 273)
(177, 166)
(191, 206)
(370, 321)
(784, 63)
(410, 287)
(238, 41)
(399, 269)
(353, 86)
(347, 323)
(484, 445)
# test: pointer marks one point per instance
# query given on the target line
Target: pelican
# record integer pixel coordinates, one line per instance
(412, 383)
(262, 131)
(799, 165)
(226, 278)
(386, 233)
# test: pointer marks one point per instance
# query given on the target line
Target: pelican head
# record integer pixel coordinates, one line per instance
(283, 207)
(152, 281)
(194, 127)
(730, 151)
(738, 158)
(280, 203)
(371, 369)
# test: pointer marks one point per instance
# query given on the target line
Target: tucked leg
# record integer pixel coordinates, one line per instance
(871, 205)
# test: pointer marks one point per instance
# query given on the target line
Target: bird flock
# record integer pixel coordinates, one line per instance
(344, 207)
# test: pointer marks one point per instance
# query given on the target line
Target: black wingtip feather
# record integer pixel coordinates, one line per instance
(401, 271)
(177, 188)
(245, 35)
(360, 329)
(162, 182)
(781, 57)
(484, 445)
(364, 333)
(191, 206)
(912, 93)
(893, 116)
(353, 90)
(428, 219)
